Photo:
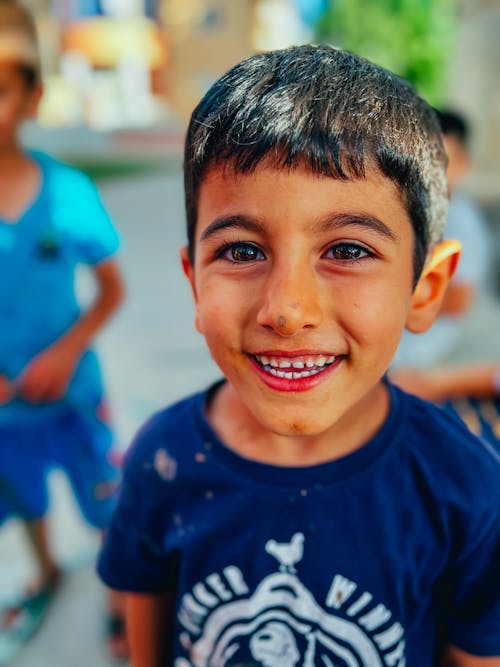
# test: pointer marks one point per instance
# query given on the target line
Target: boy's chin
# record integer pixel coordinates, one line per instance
(294, 427)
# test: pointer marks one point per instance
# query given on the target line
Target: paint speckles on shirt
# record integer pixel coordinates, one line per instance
(165, 465)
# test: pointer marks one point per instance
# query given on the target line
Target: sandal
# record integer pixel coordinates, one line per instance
(31, 607)
(20, 621)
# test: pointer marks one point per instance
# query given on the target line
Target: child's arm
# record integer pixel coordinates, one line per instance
(148, 616)
(449, 382)
(458, 299)
(454, 657)
(47, 376)
(5, 390)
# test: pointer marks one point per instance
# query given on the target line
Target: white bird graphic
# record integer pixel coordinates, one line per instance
(287, 554)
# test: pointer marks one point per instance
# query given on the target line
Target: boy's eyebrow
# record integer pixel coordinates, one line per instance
(331, 221)
(231, 222)
(337, 220)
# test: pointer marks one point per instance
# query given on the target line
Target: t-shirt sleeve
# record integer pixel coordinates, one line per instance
(80, 214)
(470, 593)
(133, 556)
(97, 237)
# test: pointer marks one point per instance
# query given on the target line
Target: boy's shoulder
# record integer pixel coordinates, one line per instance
(75, 204)
(433, 427)
(61, 173)
(444, 451)
(432, 436)
(170, 429)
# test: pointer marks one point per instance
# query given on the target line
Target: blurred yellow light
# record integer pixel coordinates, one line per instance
(106, 41)
(182, 13)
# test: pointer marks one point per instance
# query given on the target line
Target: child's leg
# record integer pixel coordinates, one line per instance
(32, 606)
(24, 493)
(38, 538)
(93, 469)
(116, 631)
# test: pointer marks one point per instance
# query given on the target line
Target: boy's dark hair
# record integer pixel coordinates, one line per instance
(453, 123)
(18, 40)
(330, 111)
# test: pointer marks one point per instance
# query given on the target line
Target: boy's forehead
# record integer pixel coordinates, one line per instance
(229, 175)
(267, 191)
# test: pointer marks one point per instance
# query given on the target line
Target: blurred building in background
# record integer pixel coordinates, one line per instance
(104, 63)
(205, 39)
(112, 65)
(475, 90)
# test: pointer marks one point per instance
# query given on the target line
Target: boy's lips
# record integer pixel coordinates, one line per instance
(294, 371)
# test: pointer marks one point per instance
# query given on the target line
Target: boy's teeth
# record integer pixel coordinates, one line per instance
(302, 366)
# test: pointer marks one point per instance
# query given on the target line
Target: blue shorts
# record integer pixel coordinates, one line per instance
(77, 442)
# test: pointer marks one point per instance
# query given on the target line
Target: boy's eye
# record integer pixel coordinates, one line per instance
(242, 252)
(349, 252)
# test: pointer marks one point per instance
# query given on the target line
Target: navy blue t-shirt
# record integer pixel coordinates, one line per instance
(362, 561)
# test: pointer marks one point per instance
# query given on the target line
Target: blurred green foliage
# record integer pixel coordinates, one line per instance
(413, 38)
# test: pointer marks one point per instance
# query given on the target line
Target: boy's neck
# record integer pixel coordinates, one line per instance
(12, 154)
(240, 431)
(19, 182)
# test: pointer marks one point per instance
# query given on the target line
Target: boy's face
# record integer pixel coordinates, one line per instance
(302, 286)
(18, 102)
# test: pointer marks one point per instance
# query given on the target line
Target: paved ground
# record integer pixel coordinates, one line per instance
(151, 356)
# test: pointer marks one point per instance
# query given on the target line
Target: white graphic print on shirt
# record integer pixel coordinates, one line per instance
(281, 624)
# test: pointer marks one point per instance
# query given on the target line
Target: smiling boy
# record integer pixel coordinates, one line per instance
(303, 511)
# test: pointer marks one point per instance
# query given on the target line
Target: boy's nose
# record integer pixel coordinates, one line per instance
(290, 301)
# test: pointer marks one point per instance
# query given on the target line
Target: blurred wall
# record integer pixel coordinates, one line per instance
(206, 39)
(475, 89)
(48, 34)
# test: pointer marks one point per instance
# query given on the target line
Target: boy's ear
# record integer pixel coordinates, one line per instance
(432, 285)
(188, 269)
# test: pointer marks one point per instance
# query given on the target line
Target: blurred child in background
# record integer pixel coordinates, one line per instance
(466, 224)
(421, 365)
(52, 408)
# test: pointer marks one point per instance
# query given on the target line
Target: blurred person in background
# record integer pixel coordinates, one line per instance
(467, 225)
(52, 407)
(470, 389)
